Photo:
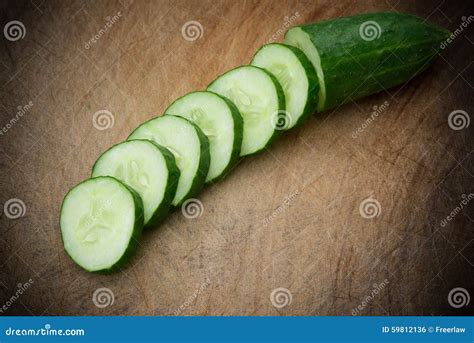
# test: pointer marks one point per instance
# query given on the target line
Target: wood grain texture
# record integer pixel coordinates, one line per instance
(288, 217)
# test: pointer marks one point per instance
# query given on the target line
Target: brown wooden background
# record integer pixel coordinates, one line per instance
(318, 247)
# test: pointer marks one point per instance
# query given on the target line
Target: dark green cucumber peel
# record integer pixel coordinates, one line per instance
(281, 101)
(238, 133)
(313, 82)
(204, 162)
(353, 67)
(172, 184)
(137, 229)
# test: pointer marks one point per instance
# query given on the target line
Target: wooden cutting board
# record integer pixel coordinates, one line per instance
(285, 225)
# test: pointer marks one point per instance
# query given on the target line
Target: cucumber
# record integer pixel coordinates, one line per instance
(101, 220)
(296, 75)
(189, 146)
(364, 54)
(146, 167)
(260, 99)
(221, 122)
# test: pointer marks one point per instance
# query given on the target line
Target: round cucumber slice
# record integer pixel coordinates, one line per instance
(297, 77)
(101, 220)
(221, 122)
(146, 167)
(260, 99)
(189, 146)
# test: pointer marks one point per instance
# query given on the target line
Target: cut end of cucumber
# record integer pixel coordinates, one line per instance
(188, 145)
(258, 96)
(297, 77)
(100, 219)
(141, 165)
(219, 120)
(300, 39)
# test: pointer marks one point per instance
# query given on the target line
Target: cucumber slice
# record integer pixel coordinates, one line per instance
(296, 75)
(220, 121)
(367, 53)
(101, 220)
(146, 167)
(189, 146)
(260, 99)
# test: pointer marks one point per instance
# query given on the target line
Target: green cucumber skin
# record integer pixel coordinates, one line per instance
(171, 186)
(313, 83)
(354, 68)
(281, 102)
(204, 161)
(137, 229)
(238, 134)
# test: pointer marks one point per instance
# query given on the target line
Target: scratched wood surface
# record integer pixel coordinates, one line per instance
(287, 219)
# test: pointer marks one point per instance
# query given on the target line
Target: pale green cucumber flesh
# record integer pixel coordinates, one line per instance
(297, 77)
(220, 120)
(189, 146)
(146, 167)
(364, 54)
(259, 97)
(101, 220)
